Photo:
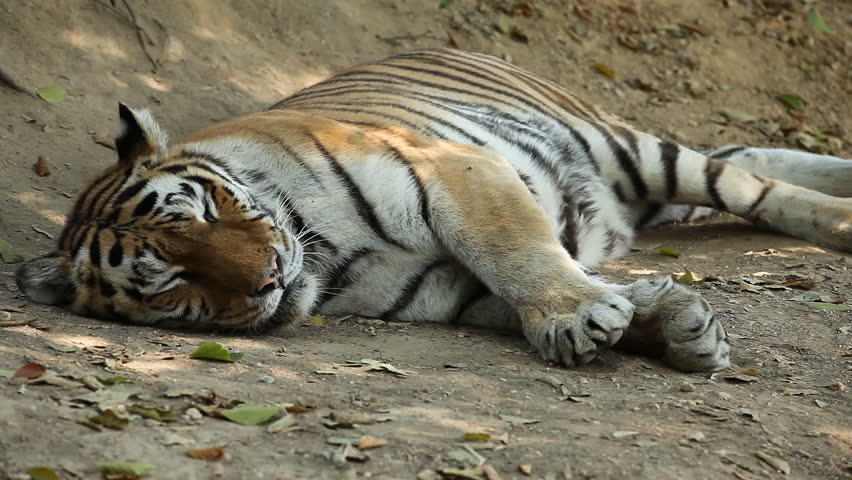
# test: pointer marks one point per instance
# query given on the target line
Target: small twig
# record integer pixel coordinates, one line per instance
(18, 322)
(167, 41)
(6, 78)
(118, 13)
(139, 33)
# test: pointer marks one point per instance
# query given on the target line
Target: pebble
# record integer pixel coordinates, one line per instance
(687, 387)
(696, 436)
(267, 379)
(193, 414)
(5, 316)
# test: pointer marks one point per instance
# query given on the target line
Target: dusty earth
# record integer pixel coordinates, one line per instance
(677, 64)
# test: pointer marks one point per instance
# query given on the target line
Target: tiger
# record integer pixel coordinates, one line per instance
(433, 186)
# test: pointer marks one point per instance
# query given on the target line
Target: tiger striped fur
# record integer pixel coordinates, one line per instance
(437, 186)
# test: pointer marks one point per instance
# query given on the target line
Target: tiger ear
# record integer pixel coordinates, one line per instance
(46, 280)
(139, 135)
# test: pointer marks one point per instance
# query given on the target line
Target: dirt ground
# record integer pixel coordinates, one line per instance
(677, 64)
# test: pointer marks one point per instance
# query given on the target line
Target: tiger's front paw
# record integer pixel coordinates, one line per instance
(577, 338)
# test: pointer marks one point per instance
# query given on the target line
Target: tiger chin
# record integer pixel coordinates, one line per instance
(172, 239)
(434, 186)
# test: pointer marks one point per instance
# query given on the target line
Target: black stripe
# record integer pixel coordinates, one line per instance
(116, 253)
(286, 147)
(358, 108)
(297, 225)
(669, 153)
(652, 211)
(725, 153)
(362, 206)
(479, 293)
(712, 171)
(619, 192)
(338, 277)
(95, 249)
(146, 205)
(130, 192)
(767, 186)
(215, 161)
(569, 232)
(625, 162)
(409, 291)
(423, 199)
(541, 88)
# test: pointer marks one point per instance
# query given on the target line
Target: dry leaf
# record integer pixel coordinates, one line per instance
(490, 473)
(41, 168)
(31, 370)
(209, 453)
(368, 441)
(776, 463)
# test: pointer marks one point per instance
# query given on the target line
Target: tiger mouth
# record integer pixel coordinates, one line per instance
(287, 311)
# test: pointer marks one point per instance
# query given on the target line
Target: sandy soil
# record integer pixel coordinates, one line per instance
(621, 417)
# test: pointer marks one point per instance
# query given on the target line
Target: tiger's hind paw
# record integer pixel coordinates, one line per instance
(677, 324)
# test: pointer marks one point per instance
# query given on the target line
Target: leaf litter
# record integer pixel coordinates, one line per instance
(215, 351)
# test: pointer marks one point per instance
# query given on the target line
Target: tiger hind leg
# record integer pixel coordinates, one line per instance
(677, 175)
(822, 173)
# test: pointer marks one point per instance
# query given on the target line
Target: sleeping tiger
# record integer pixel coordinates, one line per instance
(434, 186)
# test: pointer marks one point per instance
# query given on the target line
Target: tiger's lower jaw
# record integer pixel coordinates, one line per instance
(295, 303)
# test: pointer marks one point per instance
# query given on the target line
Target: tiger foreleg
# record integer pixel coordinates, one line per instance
(486, 218)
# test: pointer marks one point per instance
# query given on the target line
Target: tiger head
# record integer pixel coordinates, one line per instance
(171, 237)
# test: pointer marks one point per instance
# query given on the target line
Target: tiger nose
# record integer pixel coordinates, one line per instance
(271, 276)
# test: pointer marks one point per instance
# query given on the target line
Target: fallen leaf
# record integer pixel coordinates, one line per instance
(776, 463)
(625, 433)
(110, 419)
(249, 414)
(452, 41)
(687, 278)
(444, 3)
(112, 397)
(518, 420)
(31, 370)
(215, 351)
(605, 70)
(738, 116)
(476, 437)
(282, 423)
(828, 306)
(9, 254)
(794, 102)
(740, 378)
(171, 438)
(125, 468)
(104, 141)
(502, 24)
(209, 453)
(518, 35)
(153, 413)
(816, 21)
(367, 442)
(296, 409)
(53, 93)
(51, 130)
(746, 287)
(375, 365)
(42, 473)
(491, 473)
(335, 440)
(669, 252)
(456, 474)
(799, 391)
(315, 321)
(41, 168)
